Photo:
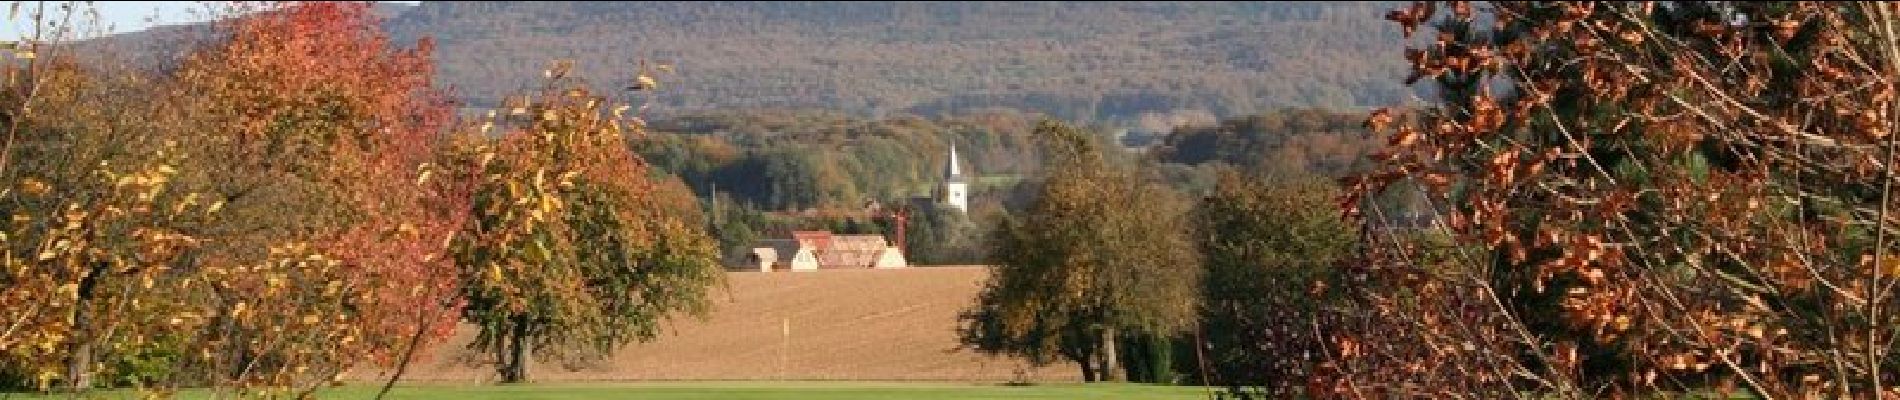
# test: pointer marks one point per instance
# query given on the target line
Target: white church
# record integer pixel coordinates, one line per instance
(955, 192)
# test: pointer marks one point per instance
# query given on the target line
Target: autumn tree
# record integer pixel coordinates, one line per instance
(260, 216)
(95, 226)
(1270, 244)
(1645, 197)
(1100, 254)
(576, 249)
(95, 220)
(316, 134)
(211, 122)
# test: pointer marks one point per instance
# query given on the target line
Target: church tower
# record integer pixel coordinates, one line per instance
(955, 191)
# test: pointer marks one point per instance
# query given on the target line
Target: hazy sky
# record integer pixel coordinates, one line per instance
(126, 16)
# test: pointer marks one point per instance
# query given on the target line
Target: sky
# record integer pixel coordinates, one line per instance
(126, 16)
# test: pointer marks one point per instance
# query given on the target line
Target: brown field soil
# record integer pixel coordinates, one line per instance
(895, 325)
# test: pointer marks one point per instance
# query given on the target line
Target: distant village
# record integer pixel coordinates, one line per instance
(820, 250)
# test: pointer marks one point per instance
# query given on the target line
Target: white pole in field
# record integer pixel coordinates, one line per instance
(785, 347)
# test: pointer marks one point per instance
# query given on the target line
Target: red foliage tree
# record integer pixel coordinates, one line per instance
(312, 96)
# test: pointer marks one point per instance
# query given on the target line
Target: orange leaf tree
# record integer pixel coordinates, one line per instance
(316, 136)
(1648, 196)
(96, 225)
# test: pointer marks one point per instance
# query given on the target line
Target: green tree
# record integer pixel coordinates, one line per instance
(735, 226)
(1270, 245)
(1100, 254)
(796, 178)
(941, 235)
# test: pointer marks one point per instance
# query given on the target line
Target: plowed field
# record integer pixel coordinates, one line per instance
(817, 325)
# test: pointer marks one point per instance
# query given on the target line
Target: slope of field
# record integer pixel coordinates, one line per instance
(842, 324)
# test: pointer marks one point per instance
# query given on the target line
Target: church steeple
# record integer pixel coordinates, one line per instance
(956, 191)
(951, 173)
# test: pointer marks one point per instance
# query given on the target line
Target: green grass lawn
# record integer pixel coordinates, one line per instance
(735, 390)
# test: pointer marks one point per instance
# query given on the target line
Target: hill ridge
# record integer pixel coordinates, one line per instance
(1103, 60)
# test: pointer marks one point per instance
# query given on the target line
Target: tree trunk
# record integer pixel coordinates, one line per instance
(79, 360)
(1088, 369)
(408, 355)
(1138, 363)
(1160, 360)
(1111, 366)
(515, 368)
(1165, 361)
(78, 365)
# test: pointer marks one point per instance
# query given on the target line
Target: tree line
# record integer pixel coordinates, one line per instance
(750, 164)
(1111, 268)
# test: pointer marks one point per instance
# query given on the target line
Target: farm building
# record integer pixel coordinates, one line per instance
(814, 250)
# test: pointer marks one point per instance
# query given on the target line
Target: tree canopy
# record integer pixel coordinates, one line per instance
(1099, 253)
(576, 249)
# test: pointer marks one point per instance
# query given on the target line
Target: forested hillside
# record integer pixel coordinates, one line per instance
(1320, 142)
(794, 160)
(1104, 61)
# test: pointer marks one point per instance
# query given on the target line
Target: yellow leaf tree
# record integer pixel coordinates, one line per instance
(577, 248)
